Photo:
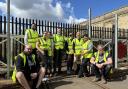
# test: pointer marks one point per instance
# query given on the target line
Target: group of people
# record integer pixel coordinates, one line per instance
(44, 55)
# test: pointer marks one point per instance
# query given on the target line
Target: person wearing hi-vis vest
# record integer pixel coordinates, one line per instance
(44, 46)
(86, 54)
(27, 70)
(77, 47)
(31, 37)
(49, 62)
(70, 53)
(101, 64)
(58, 51)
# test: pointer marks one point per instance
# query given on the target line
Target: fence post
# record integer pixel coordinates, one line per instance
(1, 33)
(8, 39)
(116, 40)
(11, 56)
(89, 32)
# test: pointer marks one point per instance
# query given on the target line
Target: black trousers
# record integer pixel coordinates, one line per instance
(102, 72)
(57, 61)
(48, 64)
(83, 67)
(70, 62)
(34, 51)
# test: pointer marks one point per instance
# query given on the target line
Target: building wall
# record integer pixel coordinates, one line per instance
(123, 21)
(107, 20)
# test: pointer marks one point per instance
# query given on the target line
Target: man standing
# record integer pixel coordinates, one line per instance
(59, 47)
(102, 64)
(27, 69)
(77, 46)
(70, 53)
(86, 54)
(31, 37)
(42, 48)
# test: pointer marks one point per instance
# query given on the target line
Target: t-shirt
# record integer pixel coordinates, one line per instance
(30, 67)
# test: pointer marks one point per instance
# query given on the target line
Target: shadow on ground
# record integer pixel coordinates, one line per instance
(59, 83)
(119, 75)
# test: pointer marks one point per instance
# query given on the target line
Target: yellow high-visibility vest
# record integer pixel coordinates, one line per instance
(43, 43)
(59, 41)
(97, 56)
(70, 46)
(49, 44)
(32, 37)
(46, 44)
(85, 48)
(78, 46)
(23, 56)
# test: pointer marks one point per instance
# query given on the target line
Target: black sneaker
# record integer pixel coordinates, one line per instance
(80, 76)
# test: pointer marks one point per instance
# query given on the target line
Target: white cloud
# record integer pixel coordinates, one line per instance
(75, 20)
(41, 9)
(59, 10)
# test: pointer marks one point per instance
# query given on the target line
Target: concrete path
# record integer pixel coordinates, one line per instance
(72, 82)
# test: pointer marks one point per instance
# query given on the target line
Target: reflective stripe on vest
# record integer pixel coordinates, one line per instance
(32, 37)
(97, 56)
(46, 44)
(49, 44)
(59, 41)
(43, 43)
(78, 45)
(85, 48)
(24, 60)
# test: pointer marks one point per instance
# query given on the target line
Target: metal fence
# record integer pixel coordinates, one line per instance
(19, 25)
(106, 33)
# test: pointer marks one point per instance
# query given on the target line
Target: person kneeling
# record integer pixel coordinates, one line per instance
(27, 69)
(101, 64)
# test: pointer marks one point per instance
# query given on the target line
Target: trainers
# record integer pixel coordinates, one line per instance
(45, 79)
(104, 81)
(97, 79)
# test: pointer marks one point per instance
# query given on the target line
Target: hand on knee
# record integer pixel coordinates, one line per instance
(19, 75)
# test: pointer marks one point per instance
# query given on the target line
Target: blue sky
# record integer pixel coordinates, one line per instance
(80, 8)
(98, 7)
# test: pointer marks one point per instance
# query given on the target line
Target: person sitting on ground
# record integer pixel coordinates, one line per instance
(101, 64)
(27, 69)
